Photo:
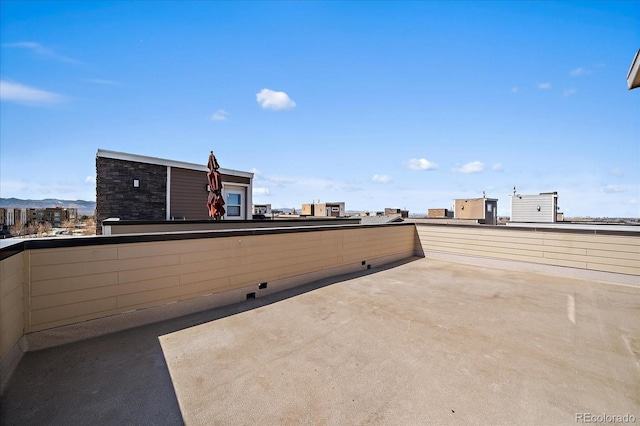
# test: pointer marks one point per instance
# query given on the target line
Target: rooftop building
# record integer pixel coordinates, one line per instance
(538, 208)
(439, 213)
(138, 187)
(333, 209)
(262, 209)
(395, 212)
(483, 210)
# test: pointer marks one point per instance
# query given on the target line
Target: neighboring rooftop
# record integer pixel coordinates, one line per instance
(377, 220)
(419, 342)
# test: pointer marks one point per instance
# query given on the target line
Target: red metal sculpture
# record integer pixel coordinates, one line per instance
(215, 202)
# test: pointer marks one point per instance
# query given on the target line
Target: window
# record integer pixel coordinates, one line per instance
(234, 204)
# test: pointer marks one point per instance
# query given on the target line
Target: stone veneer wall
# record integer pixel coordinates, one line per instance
(116, 196)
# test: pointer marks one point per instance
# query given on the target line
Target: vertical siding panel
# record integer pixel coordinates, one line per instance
(188, 194)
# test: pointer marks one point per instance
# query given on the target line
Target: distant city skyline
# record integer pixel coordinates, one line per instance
(377, 104)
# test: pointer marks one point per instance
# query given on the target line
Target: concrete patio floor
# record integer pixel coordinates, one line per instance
(419, 342)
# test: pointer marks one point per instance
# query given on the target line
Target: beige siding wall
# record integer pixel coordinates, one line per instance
(608, 253)
(11, 301)
(70, 285)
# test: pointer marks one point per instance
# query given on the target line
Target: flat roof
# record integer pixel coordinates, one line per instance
(633, 75)
(418, 342)
(553, 194)
(475, 199)
(103, 153)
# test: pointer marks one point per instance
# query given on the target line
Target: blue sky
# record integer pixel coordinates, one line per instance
(378, 104)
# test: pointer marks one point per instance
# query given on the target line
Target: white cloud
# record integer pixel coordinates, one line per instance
(270, 99)
(514, 89)
(472, 167)
(219, 115)
(420, 164)
(260, 191)
(614, 189)
(569, 92)
(578, 71)
(381, 178)
(40, 50)
(617, 172)
(544, 86)
(282, 180)
(19, 93)
(255, 171)
(497, 167)
(90, 179)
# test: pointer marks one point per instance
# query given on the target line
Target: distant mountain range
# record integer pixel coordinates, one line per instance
(84, 207)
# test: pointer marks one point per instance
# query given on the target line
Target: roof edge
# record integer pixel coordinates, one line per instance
(117, 155)
(633, 76)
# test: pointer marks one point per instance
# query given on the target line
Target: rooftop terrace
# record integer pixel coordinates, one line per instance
(420, 340)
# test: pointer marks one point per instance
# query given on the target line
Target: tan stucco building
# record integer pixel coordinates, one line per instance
(484, 210)
(335, 209)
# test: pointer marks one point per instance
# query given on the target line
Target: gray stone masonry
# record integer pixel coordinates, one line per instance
(117, 197)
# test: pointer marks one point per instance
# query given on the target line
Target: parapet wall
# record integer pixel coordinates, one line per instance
(605, 251)
(11, 301)
(75, 284)
(120, 227)
(61, 282)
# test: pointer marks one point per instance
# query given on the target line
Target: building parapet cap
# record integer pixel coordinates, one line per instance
(475, 199)
(633, 76)
(116, 155)
(623, 230)
(554, 194)
(10, 249)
